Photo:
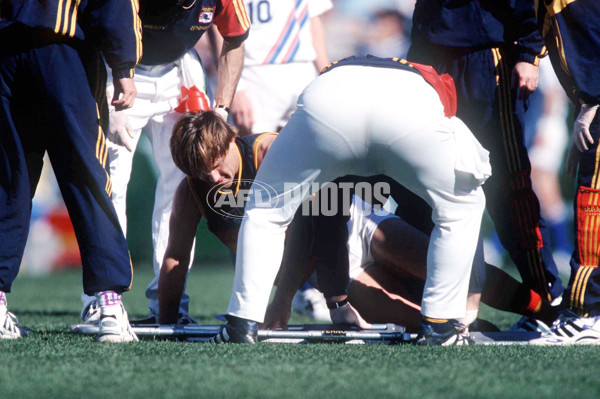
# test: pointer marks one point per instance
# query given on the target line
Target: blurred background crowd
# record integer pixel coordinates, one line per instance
(353, 27)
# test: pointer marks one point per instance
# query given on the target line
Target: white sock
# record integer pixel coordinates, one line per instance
(108, 298)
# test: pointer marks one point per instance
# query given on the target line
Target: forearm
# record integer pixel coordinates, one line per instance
(231, 62)
(170, 288)
(290, 279)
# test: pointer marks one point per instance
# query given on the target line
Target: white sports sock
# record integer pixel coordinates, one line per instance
(108, 298)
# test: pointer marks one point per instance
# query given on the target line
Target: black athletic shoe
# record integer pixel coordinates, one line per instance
(451, 332)
(150, 320)
(482, 325)
(182, 320)
(237, 331)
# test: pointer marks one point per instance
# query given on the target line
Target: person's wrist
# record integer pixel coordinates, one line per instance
(222, 111)
(337, 304)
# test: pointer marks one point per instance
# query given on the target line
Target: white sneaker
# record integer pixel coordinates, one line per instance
(311, 302)
(529, 324)
(570, 329)
(91, 313)
(114, 323)
(9, 326)
(579, 330)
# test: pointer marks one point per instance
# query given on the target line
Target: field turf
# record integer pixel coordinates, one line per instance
(55, 364)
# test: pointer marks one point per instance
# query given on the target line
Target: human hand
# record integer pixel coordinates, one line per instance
(278, 315)
(124, 93)
(346, 314)
(524, 79)
(242, 113)
(120, 131)
(581, 129)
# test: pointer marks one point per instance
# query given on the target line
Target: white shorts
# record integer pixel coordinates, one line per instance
(361, 227)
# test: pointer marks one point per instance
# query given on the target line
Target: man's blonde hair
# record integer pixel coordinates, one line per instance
(198, 141)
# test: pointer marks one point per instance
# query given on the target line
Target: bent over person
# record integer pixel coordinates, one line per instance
(409, 133)
(47, 104)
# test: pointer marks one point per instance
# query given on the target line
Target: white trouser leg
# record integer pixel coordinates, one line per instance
(190, 73)
(335, 132)
(153, 111)
(120, 164)
(169, 177)
(120, 160)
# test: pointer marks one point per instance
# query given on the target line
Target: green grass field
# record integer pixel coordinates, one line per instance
(55, 364)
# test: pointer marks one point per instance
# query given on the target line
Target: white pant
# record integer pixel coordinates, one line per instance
(273, 90)
(368, 121)
(158, 89)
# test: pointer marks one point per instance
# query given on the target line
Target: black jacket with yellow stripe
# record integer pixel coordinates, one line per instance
(571, 30)
(479, 25)
(113, 26)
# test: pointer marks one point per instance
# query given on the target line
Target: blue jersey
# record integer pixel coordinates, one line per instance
(571, 31)
(172, 28)
(478, 25)
(113, 26)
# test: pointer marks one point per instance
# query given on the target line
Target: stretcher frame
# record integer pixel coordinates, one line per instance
(311, 333)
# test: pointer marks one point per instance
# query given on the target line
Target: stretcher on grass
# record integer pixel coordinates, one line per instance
(311, 333)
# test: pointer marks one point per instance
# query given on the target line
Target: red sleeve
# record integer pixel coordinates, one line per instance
(232, 18)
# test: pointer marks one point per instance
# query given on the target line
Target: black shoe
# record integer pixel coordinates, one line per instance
(182, 320)
(451, 332)
(150, 320)
(237, 331)
(482, 325)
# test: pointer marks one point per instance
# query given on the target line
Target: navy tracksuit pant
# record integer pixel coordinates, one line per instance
(488, 107)
(46, 104)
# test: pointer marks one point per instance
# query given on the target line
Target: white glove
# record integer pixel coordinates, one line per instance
(346, 314)
(120, 131)
(581, 130)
